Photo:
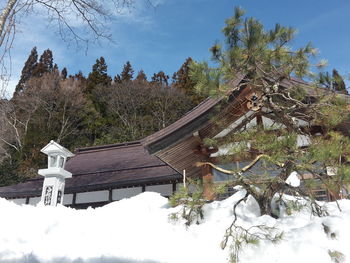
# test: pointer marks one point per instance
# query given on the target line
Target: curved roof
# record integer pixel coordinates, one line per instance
(104, 167)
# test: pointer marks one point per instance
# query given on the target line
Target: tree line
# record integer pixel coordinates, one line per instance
(76, 111)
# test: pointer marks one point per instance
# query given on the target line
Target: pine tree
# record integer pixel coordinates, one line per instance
(127, 73)
(264, 59)
(27, 70)
(334, 82)
(338, 82)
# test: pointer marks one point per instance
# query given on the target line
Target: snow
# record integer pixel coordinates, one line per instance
(293, 179)
(138, 229)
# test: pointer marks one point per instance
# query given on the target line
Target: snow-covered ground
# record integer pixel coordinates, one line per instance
(139, 230)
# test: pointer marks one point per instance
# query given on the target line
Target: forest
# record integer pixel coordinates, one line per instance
(77, 110)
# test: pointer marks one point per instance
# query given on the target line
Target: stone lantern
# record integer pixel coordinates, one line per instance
(55, 175)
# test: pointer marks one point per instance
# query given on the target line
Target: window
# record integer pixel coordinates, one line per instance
(321, 194)
(261, 168)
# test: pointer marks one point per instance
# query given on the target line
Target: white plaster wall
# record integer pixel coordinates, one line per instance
(34, 200)
(118, 194)
(91, 197)
(163, 189)
(271, 124)
(19, 201)
(67, 199)
(233, 125)
(178, 186)
(191, 187)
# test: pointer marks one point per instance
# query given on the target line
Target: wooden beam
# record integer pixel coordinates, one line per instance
(74, 198)
(110, 195)
(174, 187)
(259, 122)
(208, 182)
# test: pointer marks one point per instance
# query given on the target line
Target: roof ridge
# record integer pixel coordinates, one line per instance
(107, 146)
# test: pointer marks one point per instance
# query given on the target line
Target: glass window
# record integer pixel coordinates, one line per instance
(261, 168)
(220, 176)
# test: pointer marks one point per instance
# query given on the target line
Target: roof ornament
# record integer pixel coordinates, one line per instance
(254, 101)
(55, 175)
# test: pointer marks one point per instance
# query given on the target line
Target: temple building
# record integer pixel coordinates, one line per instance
(102, 174)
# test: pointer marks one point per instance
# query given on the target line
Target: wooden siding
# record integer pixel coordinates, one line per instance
(182, 156)
(231, 112)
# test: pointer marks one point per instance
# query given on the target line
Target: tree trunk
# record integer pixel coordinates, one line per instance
(265, 198)
(265, 205)
(4, 16)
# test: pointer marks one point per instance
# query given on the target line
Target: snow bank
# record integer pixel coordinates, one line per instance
(138, 230)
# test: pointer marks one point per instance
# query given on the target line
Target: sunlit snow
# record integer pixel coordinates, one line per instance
(139, 230)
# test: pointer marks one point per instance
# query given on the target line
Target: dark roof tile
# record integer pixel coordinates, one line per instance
(103, 167)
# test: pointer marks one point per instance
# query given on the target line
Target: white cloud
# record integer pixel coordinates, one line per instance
(37, 30)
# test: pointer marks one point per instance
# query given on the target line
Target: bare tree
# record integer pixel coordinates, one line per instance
(168, 104)
(128, 102)
(141, 108)
(60, 104)
(15, 116)
(49, 100)
(78, 21)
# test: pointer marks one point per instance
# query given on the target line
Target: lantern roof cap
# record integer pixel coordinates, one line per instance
(54, 148)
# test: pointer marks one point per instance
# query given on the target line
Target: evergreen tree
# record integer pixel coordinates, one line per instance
(127, 73)
(181, 80)
(27, 70)
(98, 76)
(334, 82)
(79, 76)
(45, 64)
(160, 79)
(264, 59)
(117, 79)
(141, 76)
(338, 82)
(97, 83)
(64, 73)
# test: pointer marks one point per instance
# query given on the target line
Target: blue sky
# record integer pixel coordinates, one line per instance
(161, 38)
